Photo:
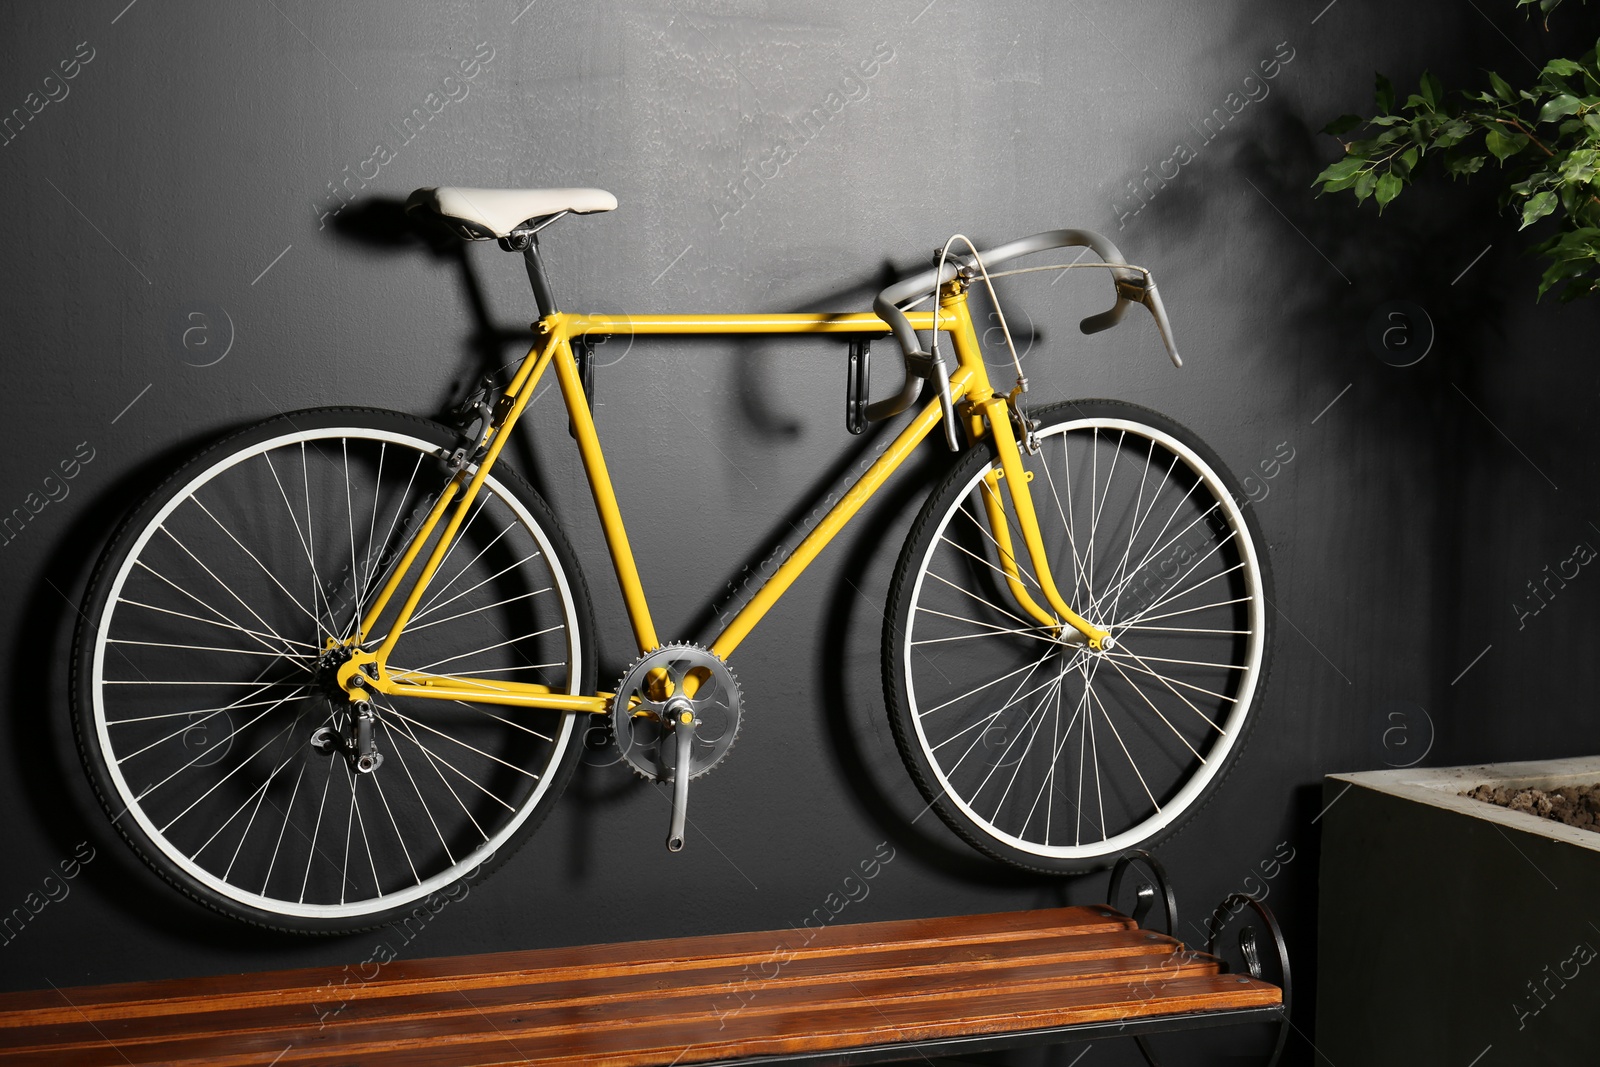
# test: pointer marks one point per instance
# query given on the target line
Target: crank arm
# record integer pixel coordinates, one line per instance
(683, 733)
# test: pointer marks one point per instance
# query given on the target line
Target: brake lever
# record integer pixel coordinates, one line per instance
(1152, 301)
(1134, 288)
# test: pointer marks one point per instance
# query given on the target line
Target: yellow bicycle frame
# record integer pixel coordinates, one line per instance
(983, 412)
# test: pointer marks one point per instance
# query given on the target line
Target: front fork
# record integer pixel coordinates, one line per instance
(996, 412)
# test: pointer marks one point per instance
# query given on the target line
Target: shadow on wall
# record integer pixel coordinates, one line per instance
(1335, 274)
(381, 225)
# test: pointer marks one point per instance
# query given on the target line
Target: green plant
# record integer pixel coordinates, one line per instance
(1545, 139)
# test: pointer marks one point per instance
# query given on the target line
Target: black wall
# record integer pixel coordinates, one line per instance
(191, 166)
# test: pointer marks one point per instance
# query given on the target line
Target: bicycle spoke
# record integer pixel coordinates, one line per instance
(324, 629)
(502, 719)
(509, 568)
(986, 603)
(309, 646)
(989, 630)
(1017, 695)
(1035, 714)
(196, 648)
(1202, 607)
(218, 784)
(350, 518)
(199, 711)
(455, 543)
(412, 627)
(197, 502)
(508, 642)
(434, 760)
(1054, 715)
(1104, 714)
(1173, 593)
(456, 740)
(377, 553)
(1188, 629)
(186, 727)
(427, 808)
(1187, 685)
(1113, 593)
(286, 650)
(1163, 680)
(985, 685)
(258, 796)
(998, 570)
(278, 844)
(1133, 526)
(377, 783)
(1159, 714)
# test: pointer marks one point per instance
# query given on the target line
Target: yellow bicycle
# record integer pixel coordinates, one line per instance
(342, 659)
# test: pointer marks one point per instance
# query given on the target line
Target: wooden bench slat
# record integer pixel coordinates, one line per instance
(485, 970)
(644, 1003)
(659, 1042)
(616, 1000)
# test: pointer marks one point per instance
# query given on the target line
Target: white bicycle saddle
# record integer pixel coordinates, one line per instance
(483, 214)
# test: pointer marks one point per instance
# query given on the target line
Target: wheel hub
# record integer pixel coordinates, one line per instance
(326, 672)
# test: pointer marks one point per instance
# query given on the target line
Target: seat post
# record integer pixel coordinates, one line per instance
(542, 294)
(526, 241)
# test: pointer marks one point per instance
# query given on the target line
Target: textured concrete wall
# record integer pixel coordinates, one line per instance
(242, 163)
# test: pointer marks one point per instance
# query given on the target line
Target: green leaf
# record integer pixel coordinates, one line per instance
(1342, 124)
(1502, 89)
(1557, 106)
(1537, 208)
(1504, 145)
(1364, 185)
(1388, 188)
(1385, 94)
(1462, 165)
(1407, 160)
(1371, 147)
(1451, 133)
(1562, 67)
(1431, 89)
(1580, 166)
(1345, 168)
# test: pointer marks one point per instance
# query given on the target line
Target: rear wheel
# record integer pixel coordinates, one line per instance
(204, 701)
(1033, 747)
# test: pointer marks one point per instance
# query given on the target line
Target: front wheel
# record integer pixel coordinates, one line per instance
(1033, 747)
(204, 693)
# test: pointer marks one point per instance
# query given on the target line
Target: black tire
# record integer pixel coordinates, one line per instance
(963, 659)
(152, 650)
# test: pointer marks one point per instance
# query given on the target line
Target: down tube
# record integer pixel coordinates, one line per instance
(842, 512)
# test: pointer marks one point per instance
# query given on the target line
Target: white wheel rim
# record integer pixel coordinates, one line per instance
(127, 796)
(1222, 748)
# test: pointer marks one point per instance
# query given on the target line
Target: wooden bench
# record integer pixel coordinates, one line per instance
(869, 993)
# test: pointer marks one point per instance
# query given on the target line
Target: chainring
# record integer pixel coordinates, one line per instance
(652, 694)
